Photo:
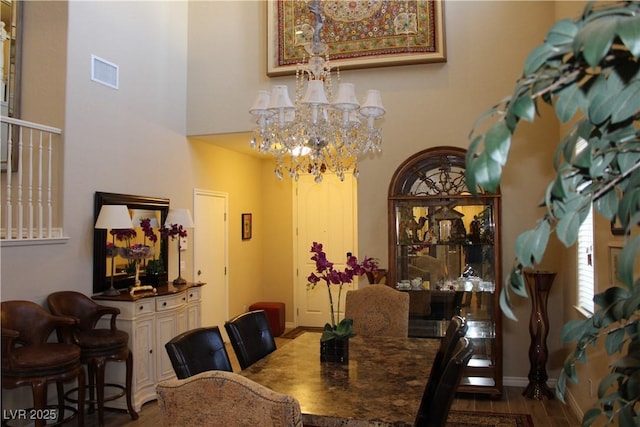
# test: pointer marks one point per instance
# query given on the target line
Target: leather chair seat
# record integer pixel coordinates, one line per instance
(101, 341)
(42, 359)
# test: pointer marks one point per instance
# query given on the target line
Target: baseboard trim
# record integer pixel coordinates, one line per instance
(523, 382)
(570, 400)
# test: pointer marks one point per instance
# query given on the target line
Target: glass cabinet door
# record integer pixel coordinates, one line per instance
(444, 251)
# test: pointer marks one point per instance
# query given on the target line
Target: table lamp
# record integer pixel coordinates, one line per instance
(182, 219)
(114, 217)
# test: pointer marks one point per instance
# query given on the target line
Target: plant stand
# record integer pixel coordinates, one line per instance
(539, 284)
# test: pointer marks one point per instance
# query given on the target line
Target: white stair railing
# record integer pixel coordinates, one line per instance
(31, 178)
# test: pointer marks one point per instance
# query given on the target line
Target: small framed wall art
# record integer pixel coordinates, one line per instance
(246, 226)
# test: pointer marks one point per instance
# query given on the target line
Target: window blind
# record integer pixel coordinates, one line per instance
(585, 272)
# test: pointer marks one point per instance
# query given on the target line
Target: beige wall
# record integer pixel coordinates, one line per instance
(192, 68)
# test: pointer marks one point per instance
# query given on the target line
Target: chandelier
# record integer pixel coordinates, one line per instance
(319, 132)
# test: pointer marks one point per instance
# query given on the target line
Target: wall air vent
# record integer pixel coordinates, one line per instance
(104, 72)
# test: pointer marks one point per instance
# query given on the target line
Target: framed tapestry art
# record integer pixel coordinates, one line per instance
(359, 33)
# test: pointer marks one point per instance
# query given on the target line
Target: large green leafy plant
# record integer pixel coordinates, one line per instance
(587, 69)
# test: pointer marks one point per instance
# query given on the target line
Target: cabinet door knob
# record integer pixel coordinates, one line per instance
(141, 308)
(190, 295)
(164, 304)
(151, 351)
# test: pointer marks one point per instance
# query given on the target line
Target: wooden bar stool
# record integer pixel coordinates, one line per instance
(98, 346)
(29, 359)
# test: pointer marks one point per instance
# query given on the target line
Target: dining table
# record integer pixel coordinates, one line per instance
(381, 385)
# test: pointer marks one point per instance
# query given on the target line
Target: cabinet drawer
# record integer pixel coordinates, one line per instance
(193, 294)
(144, 306)
(128, 310)
(170, 302)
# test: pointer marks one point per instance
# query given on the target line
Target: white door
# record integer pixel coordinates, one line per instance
(210, 255)
(325, 213)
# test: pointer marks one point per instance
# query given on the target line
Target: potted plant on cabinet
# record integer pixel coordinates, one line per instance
(590, 68)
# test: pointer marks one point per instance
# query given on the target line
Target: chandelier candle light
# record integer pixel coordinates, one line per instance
(318, 133)
(178, 220)
(114, 217)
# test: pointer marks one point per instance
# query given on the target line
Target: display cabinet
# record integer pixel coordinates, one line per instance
(444, 250)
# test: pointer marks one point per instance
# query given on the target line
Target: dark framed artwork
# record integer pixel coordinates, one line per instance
(246, 226)
(359, 34)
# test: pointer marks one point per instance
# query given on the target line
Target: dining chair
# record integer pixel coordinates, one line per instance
(250, 336)
(225, 399)
(198, 350)
(29, 358)
(378, 310)
(456, 329)
(436, 403)
(98, 345)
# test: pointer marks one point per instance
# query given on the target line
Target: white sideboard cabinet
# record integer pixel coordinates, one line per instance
(151, 320)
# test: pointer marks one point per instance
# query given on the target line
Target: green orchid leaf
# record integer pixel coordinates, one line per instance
(629, 32)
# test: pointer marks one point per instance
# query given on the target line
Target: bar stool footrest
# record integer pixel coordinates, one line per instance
(115, 396)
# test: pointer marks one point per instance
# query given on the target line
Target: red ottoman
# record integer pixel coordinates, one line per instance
(275, 314)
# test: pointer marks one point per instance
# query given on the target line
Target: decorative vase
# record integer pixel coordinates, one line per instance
(539, 285)
(335, 350)
(152, 279)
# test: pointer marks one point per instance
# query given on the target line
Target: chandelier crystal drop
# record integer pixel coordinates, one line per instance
(318, 132)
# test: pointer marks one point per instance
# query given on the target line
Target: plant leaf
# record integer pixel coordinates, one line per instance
(497, 142)
(562, 32)
(626, 103)
(594, 39)
(629, 32)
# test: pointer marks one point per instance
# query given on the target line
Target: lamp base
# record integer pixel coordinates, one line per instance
(179, 281)
(111, 292)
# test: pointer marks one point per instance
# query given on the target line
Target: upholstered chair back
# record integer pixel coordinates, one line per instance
(378, 310)
(220, 398)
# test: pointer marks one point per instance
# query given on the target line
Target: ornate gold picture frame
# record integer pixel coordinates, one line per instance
(360, 34)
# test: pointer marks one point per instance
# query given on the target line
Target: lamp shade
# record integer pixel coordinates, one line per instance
(372, 105)
(179, 217)
(114, 216)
